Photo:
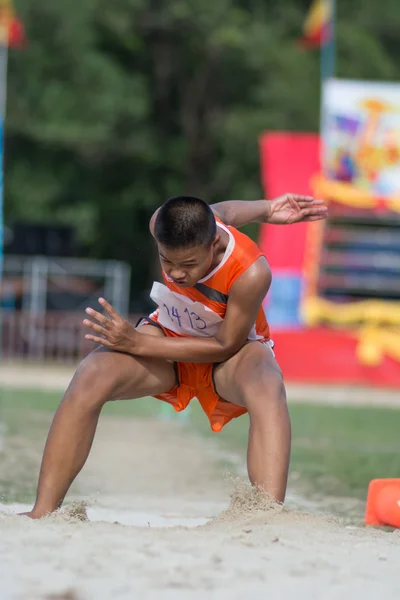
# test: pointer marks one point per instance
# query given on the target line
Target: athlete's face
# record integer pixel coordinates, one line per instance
(186, 266)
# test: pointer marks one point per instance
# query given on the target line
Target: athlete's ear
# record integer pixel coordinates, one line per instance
(216, 240)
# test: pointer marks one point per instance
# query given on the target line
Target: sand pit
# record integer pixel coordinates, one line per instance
(158, 477)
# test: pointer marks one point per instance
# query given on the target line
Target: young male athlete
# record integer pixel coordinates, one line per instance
(208, 338)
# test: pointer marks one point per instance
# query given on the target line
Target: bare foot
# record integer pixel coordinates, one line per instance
(30, 514)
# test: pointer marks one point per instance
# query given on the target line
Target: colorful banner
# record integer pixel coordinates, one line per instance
(361, 143)
(322, 335)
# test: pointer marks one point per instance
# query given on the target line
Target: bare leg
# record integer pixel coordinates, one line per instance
(102, 376)
(252, 378)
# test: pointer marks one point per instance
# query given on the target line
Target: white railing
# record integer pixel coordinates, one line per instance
(54, 336)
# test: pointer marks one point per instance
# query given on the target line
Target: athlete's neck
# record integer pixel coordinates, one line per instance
(219, 250)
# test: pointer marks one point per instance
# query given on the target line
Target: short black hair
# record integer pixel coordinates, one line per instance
(185, 221)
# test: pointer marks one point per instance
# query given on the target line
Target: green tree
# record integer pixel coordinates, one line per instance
(114, 106)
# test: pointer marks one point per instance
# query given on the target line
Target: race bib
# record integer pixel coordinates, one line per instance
(183, 315)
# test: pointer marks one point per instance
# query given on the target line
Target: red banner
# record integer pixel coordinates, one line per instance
(288, 161)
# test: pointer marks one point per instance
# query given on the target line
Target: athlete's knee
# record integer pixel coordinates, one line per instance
(93, 383)
(263, 389)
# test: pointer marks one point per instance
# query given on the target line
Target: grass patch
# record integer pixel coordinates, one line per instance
(336, 450)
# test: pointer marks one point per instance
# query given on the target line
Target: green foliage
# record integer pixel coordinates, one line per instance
(114, 106)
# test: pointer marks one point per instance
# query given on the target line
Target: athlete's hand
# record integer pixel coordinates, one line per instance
(113, 332)
(292, 208)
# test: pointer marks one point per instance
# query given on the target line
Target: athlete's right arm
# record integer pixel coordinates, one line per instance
(285, 210)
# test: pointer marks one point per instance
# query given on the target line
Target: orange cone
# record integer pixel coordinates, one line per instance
(383, 503)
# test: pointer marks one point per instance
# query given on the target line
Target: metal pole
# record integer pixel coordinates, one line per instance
(327, 69)
(328, 46)
(3, 94)
(38, 300)
(121, 288)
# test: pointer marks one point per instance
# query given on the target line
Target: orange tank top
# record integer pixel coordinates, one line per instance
(199, 311)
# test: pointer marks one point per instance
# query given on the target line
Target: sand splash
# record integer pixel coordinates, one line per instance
(249, 501)
(73, 513)
(253, 506)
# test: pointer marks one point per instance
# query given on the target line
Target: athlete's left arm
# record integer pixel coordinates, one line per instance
(285, 210)
(245, 298)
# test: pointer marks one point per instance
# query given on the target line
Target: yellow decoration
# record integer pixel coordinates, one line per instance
(394, 203)
(349, 195)
(369, 354)
(375, 342)
(378, 312)
(344, 193)
(377, 321)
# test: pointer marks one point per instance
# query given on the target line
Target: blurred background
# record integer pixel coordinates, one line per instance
(112, 107)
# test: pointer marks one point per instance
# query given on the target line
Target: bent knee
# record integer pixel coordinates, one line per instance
(93, 383)
(265, 390)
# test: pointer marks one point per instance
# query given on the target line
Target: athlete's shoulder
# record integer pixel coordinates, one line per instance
(245, 249)
(255, 278)
(242, 253)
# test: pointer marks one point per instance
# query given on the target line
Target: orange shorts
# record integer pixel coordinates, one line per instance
(197, 380)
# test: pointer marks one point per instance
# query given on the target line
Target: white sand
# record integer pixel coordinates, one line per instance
(154, 471)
